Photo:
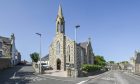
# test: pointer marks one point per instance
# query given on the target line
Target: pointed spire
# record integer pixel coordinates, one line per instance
(89, 39)
(60, 13)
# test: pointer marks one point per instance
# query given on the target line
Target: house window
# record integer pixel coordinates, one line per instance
(0, 53)
(82, 57)
(0, 45)
(68, 53)
(58, 48)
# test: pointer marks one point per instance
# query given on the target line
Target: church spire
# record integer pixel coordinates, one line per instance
(60, 13)
(60, 22)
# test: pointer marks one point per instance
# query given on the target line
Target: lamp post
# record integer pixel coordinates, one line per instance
(39, 34)
(76, 72)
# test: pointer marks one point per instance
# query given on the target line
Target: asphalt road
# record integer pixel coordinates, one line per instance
(25, 75)
(17, 75)
(115, 77)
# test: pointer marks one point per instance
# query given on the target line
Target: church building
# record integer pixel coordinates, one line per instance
(65, 52)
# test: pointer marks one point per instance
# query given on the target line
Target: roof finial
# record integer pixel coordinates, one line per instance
(60, 13)
(89, 39)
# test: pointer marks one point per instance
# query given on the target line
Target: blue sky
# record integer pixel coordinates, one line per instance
(113, 25)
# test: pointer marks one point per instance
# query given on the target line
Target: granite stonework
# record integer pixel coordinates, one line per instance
(9, 56)
(63, 50)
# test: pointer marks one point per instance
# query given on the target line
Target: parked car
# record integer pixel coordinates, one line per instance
(45, 66)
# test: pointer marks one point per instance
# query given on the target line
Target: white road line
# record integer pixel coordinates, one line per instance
(98, 76)
(56, 79)
(82, 82)
(133, 76)
(14, 75)
(121, 79)
(115, 80)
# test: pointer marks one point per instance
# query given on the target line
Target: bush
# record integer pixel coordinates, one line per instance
(35, 57)
(90, 68)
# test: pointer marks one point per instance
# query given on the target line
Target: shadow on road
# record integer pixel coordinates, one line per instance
(14, 75)
(95, 73)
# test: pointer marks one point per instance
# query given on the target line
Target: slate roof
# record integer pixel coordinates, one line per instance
(5, 39)
(84, 44)
(129, 65)
(138, 58)
(45, 58)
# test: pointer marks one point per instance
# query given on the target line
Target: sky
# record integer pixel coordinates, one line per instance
(112, 25)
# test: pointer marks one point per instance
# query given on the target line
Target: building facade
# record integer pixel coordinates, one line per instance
(45, 59)
(65, 52)
(137, 63)
(8, 53)
(132, 63)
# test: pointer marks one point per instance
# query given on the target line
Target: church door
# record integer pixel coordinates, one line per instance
(58, 64)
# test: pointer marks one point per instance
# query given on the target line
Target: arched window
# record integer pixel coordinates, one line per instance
(58, 48)
(82, 57)
(0, 45)
(68, 53)
(62, 28)
(58, 27)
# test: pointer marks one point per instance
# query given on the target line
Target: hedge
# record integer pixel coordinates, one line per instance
(90, 67)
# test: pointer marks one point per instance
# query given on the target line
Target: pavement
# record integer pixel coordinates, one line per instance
(56, 73)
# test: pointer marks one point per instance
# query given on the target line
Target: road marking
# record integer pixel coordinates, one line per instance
(82, 82)
(120, 78)
(133, 76)
(14, 75)
(56, 78)
(115, 80)
(98, 76)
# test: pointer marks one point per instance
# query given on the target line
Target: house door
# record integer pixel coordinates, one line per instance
(58, 64)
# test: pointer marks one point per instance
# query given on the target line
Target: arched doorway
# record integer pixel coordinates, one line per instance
(58, 64)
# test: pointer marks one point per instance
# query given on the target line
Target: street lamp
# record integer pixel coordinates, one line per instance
(39, 34)
(76, 72)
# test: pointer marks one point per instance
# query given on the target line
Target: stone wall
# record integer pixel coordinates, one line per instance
(6, 50)
(35, 67)
(137, 69)
(4, 63)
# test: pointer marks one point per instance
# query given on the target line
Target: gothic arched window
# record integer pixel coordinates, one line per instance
(61, 28)
(58, 48)
(68, 53)
(58, 27)
(82, 57)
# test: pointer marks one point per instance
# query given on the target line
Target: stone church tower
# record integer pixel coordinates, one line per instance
(60, 22)
(57, 50)
(62, 49)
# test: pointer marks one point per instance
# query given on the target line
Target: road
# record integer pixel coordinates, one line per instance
(17, 75)
(25, 75)
(115, 77)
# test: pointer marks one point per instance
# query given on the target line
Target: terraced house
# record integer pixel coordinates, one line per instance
(9, 56)
(65, 52)
(137, 63)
